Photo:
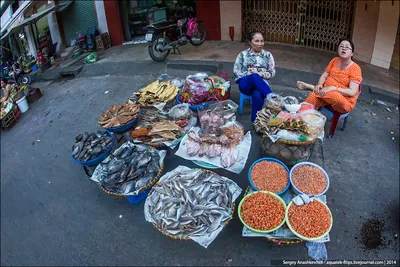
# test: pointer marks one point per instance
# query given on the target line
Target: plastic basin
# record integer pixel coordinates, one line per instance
(123, 128)
(297, 191)
(139, 197)
(255, 230)
(194, 108)
(299, 235)
(99, 159)
(272, 160)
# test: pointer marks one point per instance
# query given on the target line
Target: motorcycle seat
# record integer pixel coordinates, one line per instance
(163, 25)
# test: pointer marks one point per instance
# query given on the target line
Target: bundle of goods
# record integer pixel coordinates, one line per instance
(119, 115)
(191, 204)
(309, 221)
(157, 132)
(155, 93)
(157, 127)
(220, 88)
(295, 125)
(212, 146)
(90, 146)
(130, 170)
(5, 108)
(197, 89)
(215, 115)
(262, 211)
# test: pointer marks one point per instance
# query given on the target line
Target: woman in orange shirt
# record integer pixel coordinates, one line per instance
(339, 85)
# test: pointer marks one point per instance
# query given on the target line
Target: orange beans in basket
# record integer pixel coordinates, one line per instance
(262, 211)
(309, 179)
(310, 220)
(269, 176)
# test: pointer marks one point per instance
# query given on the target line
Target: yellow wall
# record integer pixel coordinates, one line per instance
(231, 15)
(385, 34)
(364, 30)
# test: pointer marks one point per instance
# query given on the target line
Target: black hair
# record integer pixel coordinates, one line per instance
(348, 40)
(251, 35)
(4, 80)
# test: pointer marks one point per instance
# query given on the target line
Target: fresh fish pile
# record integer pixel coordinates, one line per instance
(190, 202)
(89, 146)
(128, 169)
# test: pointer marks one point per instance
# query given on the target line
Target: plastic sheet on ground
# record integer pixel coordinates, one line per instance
(100, 172)
(317, 251)
(283, 232)
(206, 239)
(243, 152)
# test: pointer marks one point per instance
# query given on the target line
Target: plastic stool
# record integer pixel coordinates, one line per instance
(335, 117)
(243, 97)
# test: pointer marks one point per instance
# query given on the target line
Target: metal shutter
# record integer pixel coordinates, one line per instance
(78, 17)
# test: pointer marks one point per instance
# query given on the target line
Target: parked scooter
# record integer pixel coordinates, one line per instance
(164, 36)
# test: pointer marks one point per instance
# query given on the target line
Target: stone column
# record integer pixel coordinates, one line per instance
(101, 16)
(55, 31)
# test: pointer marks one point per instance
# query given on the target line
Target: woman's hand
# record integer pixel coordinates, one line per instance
(317, 88)
(325, 90)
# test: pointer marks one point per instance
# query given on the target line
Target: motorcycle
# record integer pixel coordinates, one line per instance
(165, 36)
(15, 74)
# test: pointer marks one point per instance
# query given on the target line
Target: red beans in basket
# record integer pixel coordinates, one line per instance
(309, 179)
(269, 176)
(262, 211)
(310, 220)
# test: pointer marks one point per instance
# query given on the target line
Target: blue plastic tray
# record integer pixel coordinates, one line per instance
(124, 128)
(100, 158)
(194, 108)
(139, 198)
(268, 159)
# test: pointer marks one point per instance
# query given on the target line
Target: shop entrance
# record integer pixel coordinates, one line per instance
(311, 23)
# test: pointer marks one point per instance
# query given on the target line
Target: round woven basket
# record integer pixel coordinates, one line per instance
(289, 152)
(155, 180)
(186, 237)
(278, 242)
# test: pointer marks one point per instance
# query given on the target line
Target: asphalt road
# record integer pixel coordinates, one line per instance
(51, 214)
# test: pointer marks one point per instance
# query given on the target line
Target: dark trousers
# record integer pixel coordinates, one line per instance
(253, 85)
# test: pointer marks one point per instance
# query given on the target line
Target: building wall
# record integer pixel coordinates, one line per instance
(231, 15)
(386, 34)
(395, 64)
(364, 29)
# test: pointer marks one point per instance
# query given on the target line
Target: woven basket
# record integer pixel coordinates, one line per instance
(155, 180)
(278, 242)
(289, 152)
(186, 237)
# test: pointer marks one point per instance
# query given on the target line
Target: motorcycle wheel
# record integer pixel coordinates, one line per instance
(24, 80)
(154, 50)
(199, 36)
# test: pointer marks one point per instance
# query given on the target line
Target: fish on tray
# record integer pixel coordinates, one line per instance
(89, 146)
(130, 169)
(190, 203)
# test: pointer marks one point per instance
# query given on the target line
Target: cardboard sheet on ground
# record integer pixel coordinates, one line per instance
(243, 152)
(283, 232)
(100, 171)
(206, 239)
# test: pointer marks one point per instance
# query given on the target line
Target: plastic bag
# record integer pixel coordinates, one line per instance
(291, 136)
(289, 100)
(180, 111)
(287, 116)
(196, 90)
(91, 58)
(234, 131)
(273, 101)
(315, 123)
(215, 115)
(306, 106)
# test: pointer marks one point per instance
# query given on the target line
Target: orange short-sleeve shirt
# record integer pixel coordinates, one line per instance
(342, 78)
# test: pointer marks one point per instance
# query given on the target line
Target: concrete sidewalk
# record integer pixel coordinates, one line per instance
(287, 57)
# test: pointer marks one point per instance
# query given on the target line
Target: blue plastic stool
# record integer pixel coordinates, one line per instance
(243, 97)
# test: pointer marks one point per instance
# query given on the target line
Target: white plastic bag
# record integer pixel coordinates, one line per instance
(315, 121)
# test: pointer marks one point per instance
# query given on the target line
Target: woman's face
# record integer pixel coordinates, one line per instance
(257, 43)
(3, 84)
(345, 50)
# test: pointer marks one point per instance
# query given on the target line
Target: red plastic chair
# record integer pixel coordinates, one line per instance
(336, 116)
